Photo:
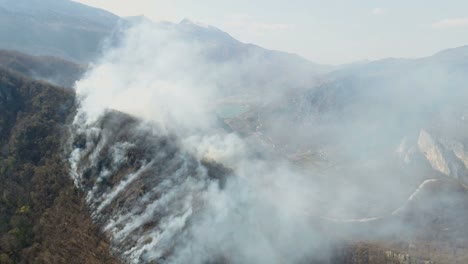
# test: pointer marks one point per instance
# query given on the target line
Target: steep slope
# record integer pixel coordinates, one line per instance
(60, 28)
(141, 186)
(43, 217)
(50, 69)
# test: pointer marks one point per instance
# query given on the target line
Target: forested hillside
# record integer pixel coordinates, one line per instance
(43, 218)
(51, 69)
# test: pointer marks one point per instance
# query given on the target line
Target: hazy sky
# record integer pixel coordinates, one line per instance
(325, 31)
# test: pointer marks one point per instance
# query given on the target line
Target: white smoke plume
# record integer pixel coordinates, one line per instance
(172, 210)
(160, 76)
(153, 74)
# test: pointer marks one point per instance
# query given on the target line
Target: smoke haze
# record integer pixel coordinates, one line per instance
(173, 181)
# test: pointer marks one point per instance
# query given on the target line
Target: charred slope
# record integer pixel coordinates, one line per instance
(43, 218)
(51, 69)
(141, 187)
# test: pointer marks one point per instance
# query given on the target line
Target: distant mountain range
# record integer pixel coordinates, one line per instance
(60, 28)
(411, 110)
(77, 32)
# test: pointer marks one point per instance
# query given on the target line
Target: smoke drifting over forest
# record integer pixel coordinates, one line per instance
(170, 182)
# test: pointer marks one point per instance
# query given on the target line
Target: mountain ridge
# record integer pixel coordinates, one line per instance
(60, 28)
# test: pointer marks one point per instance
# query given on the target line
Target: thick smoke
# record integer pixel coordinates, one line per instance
(153, 74)
(161, 76)
(173, 184)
